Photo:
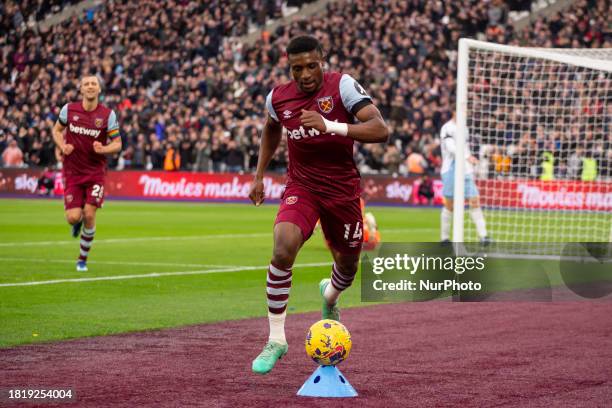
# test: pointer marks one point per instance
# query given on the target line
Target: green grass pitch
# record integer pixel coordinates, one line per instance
(226, 247)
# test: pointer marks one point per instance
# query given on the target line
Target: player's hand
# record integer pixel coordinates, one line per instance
(257, 194)
(313, 119)
(67, 149)
(98, 147)
(473, 160)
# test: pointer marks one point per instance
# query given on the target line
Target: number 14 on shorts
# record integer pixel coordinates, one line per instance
(357, 232)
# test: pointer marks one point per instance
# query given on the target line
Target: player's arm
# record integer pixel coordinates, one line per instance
(58, 132)
(448, 142)
(113, 147)
(451, 147)
(372, 128)
(270, 139)
(355, 99)
(112, 133)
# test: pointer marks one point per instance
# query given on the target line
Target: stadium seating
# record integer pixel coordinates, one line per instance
(181, 82)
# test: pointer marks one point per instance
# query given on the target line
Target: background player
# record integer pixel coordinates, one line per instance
(447, 139)
(88, 127)
(317, 109)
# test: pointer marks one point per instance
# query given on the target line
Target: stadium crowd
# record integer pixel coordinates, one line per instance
(190, 96)
(21, 15)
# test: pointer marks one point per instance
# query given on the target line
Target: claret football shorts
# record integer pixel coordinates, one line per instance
(81, 190)
(341, 221)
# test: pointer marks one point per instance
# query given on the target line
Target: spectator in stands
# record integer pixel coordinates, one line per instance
(392, 159)
(157, 156)
(187, 155)
(234, 159)
(203, 162)
(415, 162)
(46, 182)
(426, 191)
(172, 160)
(217, 156)
(12, 155)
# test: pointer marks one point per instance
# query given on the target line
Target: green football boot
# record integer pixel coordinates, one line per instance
(266, 360)
(328, 312)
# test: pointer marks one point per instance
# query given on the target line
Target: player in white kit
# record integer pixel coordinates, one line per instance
(448, 145)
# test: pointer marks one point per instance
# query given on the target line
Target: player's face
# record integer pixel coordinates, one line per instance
(90, 88)
(307, 70)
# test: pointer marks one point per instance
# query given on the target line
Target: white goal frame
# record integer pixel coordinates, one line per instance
(563, 56)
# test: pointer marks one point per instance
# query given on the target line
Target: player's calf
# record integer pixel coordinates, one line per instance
(74, 217)
(341, 279)
(76, 228)
(87, 236)
(278, 286)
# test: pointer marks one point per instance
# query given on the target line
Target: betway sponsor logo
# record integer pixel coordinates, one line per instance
(534, 196)
(234, 189)
(84, 131)
(25, 183)
(301, 133)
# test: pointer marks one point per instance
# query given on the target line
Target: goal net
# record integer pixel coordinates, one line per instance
(540, 123)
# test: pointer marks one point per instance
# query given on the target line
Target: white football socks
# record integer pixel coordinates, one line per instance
(277, 327)
(445, 224)
(479, 221)
(331, 294)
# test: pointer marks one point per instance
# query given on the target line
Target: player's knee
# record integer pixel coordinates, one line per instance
(73, 217)
(287, 243)
(284, 255)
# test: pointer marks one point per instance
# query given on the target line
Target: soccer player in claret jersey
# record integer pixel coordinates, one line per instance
(85, 132)
(318, 110)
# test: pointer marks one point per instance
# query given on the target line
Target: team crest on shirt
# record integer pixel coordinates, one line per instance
(99, 122)
(326, 104)
(291, 200)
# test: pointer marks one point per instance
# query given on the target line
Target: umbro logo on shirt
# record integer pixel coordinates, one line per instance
(287, 114)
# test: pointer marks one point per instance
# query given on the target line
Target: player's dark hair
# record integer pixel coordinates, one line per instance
(304, 43)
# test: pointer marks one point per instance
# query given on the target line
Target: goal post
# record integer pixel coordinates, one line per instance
(540, 123)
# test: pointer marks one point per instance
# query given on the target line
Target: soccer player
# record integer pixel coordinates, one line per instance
(85, 132)
(447, 139)
(318, 110)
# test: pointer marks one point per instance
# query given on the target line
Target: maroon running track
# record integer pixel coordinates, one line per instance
(415, 354)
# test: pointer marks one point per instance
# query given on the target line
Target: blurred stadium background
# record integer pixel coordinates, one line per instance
(188, 81)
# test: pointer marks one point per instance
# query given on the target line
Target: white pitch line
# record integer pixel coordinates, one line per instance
(142, 239)
(182, 238)
(153, 275)
(402, 230)
(71, 261)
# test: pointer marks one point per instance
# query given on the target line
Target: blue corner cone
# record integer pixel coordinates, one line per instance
(327, 381)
